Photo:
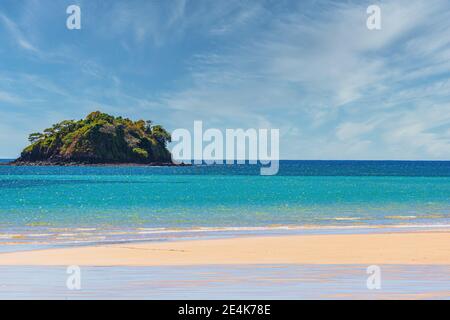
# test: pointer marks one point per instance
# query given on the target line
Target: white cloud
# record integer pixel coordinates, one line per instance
(349, 130)
(9, 98)
(17, 34)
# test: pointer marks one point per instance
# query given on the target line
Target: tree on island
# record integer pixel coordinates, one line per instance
(99, 138)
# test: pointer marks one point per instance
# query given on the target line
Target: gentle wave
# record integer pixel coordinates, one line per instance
(144, 231)
(401, 217)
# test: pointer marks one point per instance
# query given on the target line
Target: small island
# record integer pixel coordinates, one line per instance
(99, 139)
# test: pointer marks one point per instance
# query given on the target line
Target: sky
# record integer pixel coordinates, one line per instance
(312, 69)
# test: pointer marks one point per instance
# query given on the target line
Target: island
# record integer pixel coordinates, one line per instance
(99, 139)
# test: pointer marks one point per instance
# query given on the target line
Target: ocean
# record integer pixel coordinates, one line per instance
(54, 206)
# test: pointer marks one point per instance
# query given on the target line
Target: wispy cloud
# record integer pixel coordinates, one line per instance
(336, 80)
(17, 34)
(9, 98)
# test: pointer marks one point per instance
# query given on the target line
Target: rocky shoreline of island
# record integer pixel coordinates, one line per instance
(88, 164)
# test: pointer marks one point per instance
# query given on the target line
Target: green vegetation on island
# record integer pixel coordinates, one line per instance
(98, 139)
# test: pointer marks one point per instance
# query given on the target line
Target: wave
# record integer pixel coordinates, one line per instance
(401, 217)
(99, 237)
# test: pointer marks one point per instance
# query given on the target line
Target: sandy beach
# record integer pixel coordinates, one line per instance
(408, 248)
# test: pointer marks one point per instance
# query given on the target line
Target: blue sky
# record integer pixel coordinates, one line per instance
(335, 89)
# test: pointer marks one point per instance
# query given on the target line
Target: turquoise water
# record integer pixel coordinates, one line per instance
(51, 201)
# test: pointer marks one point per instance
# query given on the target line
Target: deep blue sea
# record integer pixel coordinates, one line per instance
(41, 205)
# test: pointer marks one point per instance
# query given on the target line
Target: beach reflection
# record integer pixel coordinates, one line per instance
(227, 282)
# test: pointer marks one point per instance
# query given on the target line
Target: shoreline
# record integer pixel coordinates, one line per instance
(406, 248)
(39, 237)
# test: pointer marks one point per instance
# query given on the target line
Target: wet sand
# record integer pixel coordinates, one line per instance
(226, 282)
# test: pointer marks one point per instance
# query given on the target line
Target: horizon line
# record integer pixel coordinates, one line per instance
(317, 160)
